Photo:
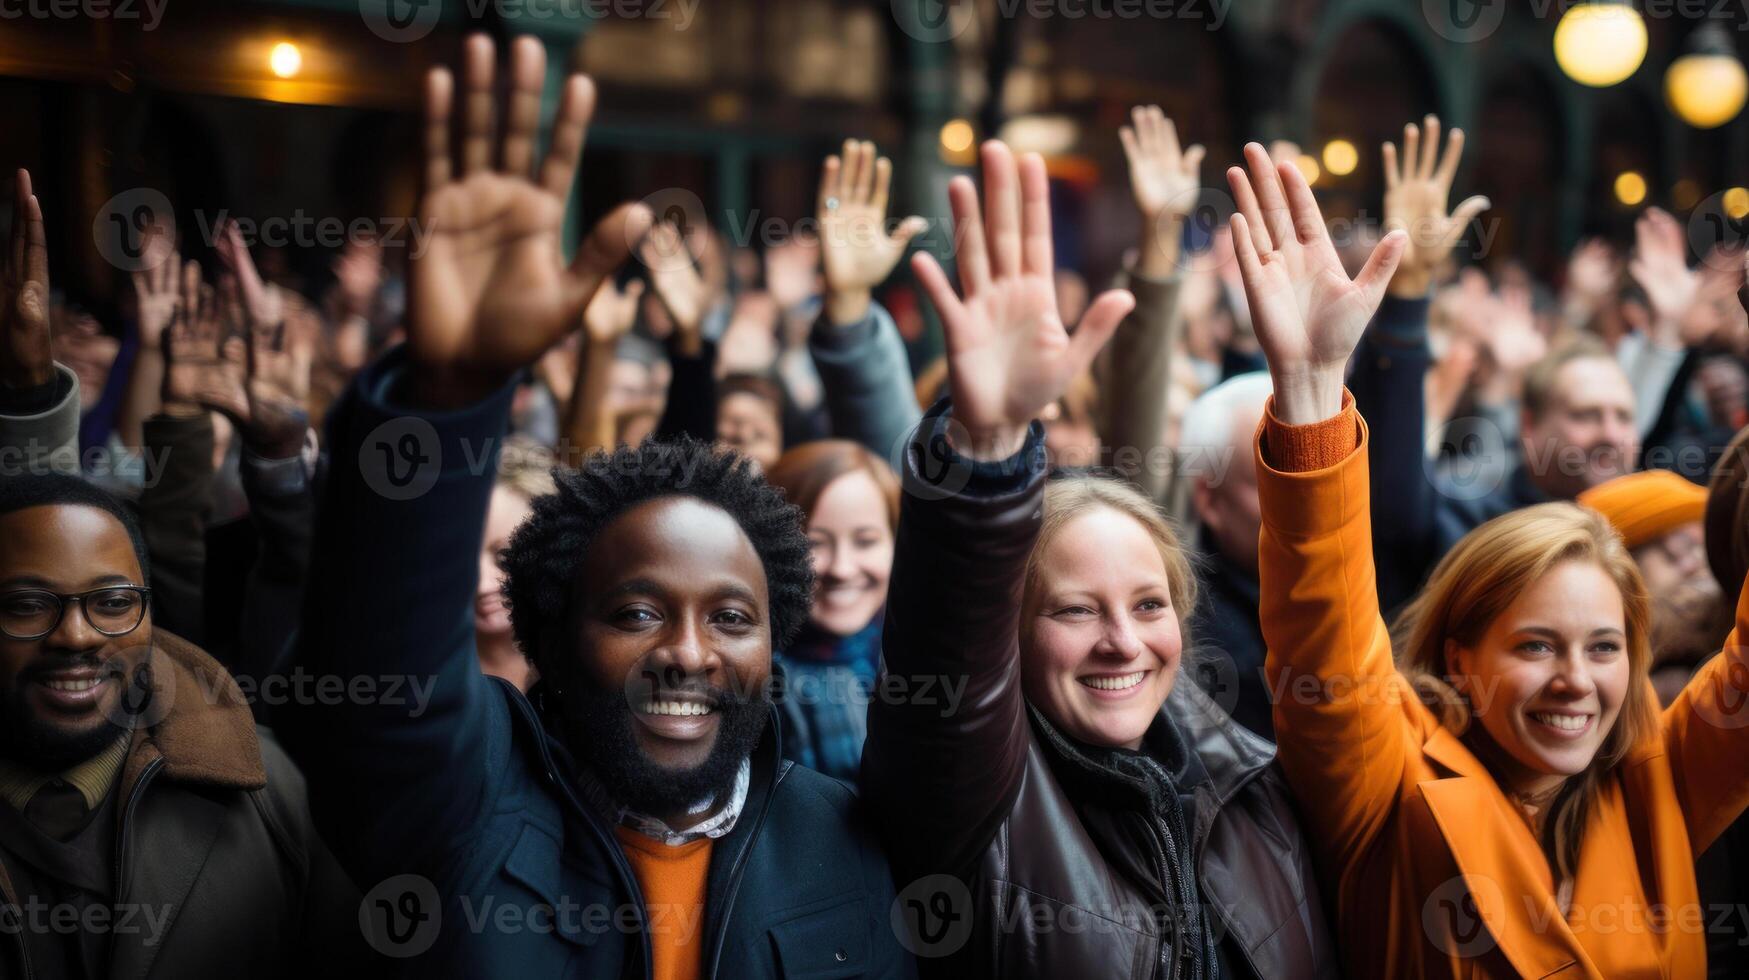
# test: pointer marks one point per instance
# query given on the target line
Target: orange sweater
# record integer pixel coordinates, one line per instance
(1430, 870)
(673, 879)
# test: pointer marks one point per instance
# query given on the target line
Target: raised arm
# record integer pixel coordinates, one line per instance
(589, 418)
(1342, 739)
(692, 391)
(942, 771)
(1390, 369)
(39, 399)
(1706, 733)
(855, 345)
(395, 780)
(1165, 182)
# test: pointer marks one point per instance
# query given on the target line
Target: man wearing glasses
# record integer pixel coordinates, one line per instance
(147, 828)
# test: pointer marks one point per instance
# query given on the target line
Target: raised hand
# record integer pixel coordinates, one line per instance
(155, 297)
(277, 388)
(1660, 266)
(852, 211)
(261, 301)
(1008, 353)
(202, 369)
(492, 291)
(1164, 181)
(26, 360)
(678, 284)
(1415, 199)
(1713, 312)
(610, 315)
(358, 273)
(1307, 313)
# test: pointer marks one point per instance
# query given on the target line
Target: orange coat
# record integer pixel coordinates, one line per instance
(1430, 869)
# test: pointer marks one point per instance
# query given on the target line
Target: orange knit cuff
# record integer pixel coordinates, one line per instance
(1314, 446)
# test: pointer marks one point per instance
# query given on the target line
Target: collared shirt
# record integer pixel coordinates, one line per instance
(92, 778)
(718, 825)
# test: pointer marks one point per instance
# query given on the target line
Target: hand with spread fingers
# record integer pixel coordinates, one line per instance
(1415, 198)
(678, 284)
(262, 301)
(492, 291)
(203, 367)
(1165, 181)
(1307, 313)
(1009, 354)
(1660, 266)
(26, 358)
(858, 251)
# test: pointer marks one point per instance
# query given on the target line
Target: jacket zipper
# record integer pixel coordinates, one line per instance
(605, 838)
(735, 874)
(1169, 950)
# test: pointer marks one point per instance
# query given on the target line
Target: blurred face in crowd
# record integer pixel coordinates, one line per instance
(852, 549)
(665, 676)
(750, 424)
(1102, 647)
(508, 509)
(628, 383)
(1690, 614)
(1725, 388)
(1585, 434)
(61, 695)
(1226, 497)
(1548, 676)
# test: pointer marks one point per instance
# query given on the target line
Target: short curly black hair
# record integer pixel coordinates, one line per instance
(546, 552)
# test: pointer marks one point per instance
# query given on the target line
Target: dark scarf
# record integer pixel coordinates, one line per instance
(860, 651)
(1160, 777)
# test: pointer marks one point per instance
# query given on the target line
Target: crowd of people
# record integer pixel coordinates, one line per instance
(1296, 607)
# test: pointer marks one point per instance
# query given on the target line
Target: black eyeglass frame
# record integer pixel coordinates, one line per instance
(63, 598)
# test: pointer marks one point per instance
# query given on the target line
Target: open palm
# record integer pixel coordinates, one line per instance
(492, 290)
(1415, 198)
(1009, 355)
(1307, 313)
(852, 212)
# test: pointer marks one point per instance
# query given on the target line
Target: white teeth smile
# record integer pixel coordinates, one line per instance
(1567, 723)
(84, 684)
(676, 708)
(1120, 683)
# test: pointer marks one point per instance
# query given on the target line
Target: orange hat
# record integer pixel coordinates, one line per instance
(1648, 505)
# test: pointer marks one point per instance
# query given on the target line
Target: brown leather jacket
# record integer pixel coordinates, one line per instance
(220, 872)
(1007, 865)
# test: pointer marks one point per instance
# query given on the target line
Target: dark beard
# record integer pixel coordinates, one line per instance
(600, 724)
(28, 741)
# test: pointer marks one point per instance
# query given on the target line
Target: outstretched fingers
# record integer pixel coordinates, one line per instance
(576, 106)
(1002, 209)
(439, 97)
(1308, 221)
(940, 292)
(1375, 276)
(608, 245)
(528, 70)
(1270, 199)
(477, 72)
(1245, 203)
(972, 253)
(1096, 327)
(1035, 217)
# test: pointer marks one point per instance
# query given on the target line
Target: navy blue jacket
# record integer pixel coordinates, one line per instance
(1413, 523)
(455, 810)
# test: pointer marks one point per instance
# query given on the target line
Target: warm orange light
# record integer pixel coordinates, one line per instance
(285, 60)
